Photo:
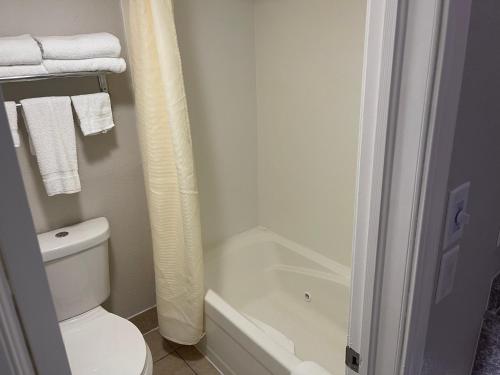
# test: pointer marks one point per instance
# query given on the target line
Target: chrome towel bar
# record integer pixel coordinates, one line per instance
(101, 78)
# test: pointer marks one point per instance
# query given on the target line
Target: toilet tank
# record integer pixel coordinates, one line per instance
(77, 265)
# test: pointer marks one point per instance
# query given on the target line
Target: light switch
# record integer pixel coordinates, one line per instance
(447, 272)
(457, 216)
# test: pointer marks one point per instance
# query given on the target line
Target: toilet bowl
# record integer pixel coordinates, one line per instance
(97, 342)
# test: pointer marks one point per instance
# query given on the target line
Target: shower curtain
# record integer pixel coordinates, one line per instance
(165, 139)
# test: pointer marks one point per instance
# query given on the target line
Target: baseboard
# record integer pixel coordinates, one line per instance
(227, 372)
(146, 320)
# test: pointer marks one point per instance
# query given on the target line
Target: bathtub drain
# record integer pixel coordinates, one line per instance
(307, 297)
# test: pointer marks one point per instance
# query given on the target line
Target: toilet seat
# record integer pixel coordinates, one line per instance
(100, 343)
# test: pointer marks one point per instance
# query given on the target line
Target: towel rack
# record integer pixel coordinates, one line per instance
(101, 78)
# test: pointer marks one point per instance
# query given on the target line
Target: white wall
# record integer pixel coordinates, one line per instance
(308, 63)
(455, 322)
(273, 89)
(216, 39)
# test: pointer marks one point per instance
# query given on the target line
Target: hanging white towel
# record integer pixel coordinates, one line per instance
(115, 65)
(22, 70)
(11, 110)
(82, 46)
(19, 50)
(94, 112)
(50, 124)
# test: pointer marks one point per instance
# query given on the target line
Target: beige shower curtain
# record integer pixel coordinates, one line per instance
(165, 139)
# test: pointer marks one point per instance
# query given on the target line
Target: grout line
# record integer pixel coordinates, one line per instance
(187, 364)
(151, 330)
(210, 361)
(163, 357)
(166, 355)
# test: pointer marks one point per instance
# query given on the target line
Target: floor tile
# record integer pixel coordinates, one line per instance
(158, 345)
(146, 321)
(196, 361)
(172, 364)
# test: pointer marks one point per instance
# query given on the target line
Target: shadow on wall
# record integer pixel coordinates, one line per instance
(110, 170)
(216, 42)
(67, 209)
(109, 165)
(94, 151)
(202, 136)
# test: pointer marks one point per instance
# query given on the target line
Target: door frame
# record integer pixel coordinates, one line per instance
(430, 223)
(414, 57)
(379, 50)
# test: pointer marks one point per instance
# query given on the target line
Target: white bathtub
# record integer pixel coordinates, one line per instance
(272, 304)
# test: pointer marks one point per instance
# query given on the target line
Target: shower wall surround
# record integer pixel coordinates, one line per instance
(109, 164)
(274, 93)
(309, 58)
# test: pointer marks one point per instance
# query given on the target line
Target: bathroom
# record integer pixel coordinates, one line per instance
(273, 89)
(249, 187)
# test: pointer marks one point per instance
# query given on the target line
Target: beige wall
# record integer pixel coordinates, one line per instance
(216, 39)
(309, 63)
(109, 165)
(456, 321)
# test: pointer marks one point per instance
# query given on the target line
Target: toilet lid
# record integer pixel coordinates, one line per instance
(98, 342)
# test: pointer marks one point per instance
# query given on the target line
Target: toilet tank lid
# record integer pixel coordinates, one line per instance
(65, 241)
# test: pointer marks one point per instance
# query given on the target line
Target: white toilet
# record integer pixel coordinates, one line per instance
(97, 342)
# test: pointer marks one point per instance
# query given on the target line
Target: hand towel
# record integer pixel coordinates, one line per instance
(50, 123)
(114, 65)
(82, 46)
(19, 50)
(94, 112)
(22, 70)
(11, 110)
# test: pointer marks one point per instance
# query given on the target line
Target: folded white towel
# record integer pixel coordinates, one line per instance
(19, 50)
(94, 112)
(22, 70)
(82, 46)
(50, 124)
(11, 109)
(115, 65)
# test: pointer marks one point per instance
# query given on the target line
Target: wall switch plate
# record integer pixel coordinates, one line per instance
(456, 216)
(447, 272)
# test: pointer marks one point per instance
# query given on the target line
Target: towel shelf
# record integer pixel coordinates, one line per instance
(101, 77)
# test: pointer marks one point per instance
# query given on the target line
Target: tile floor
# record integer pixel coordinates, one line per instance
(174, 359)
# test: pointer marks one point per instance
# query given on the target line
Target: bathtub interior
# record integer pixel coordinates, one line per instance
(295, 295)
